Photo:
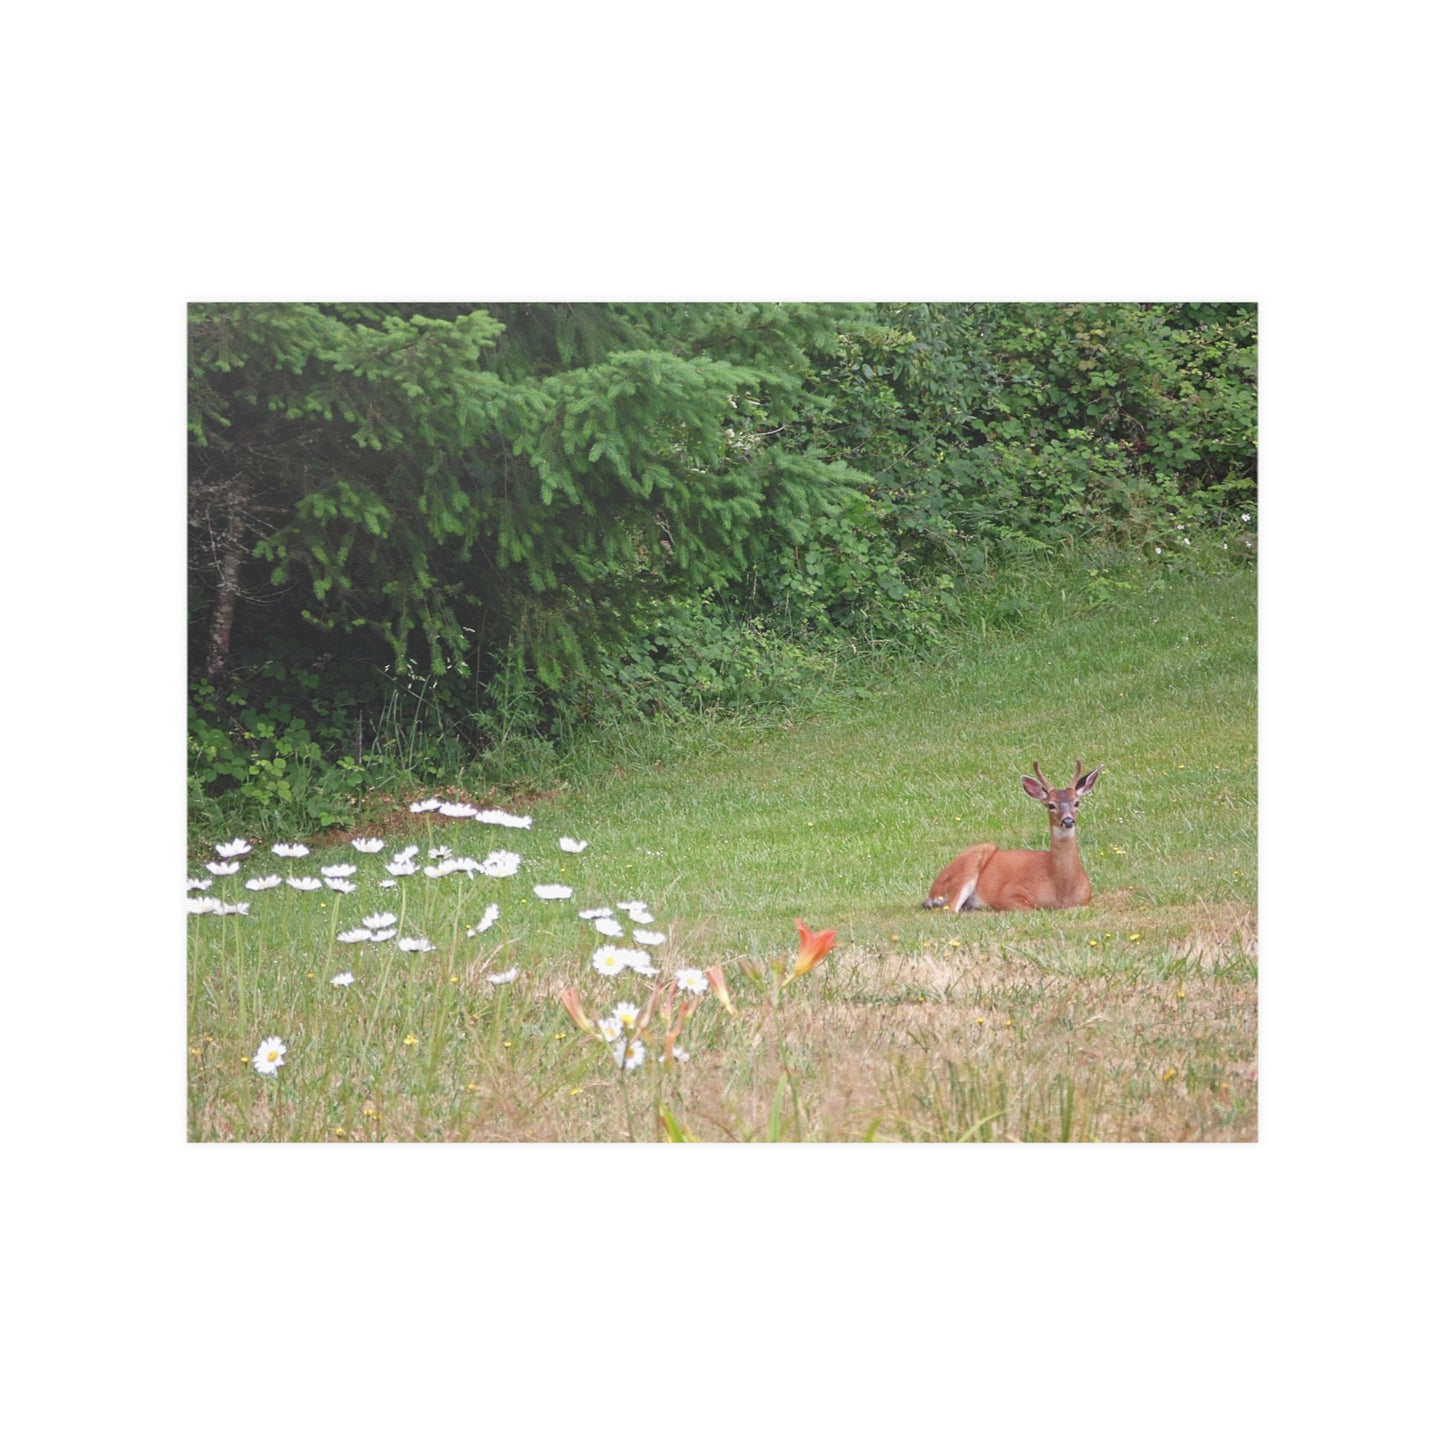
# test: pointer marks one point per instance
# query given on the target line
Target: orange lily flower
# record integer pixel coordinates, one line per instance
(812, 948)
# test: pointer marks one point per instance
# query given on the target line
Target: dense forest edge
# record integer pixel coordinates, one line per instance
(444, 546)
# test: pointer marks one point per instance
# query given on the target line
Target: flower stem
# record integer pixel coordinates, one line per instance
(626, 1099)
(331, 941)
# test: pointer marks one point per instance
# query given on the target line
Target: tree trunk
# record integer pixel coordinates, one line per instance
(233, 553)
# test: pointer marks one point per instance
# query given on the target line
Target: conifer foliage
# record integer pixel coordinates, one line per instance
(392, 474)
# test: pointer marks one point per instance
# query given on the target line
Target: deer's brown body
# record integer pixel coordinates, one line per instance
(987, 876)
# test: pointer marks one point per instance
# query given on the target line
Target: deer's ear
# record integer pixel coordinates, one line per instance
(1087, 786)
(1035, 789)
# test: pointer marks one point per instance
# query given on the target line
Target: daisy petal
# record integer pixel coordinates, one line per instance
(503, 819)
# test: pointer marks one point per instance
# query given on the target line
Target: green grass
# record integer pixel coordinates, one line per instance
(1132, 1019)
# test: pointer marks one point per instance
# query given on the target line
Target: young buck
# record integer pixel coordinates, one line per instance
(987, 876)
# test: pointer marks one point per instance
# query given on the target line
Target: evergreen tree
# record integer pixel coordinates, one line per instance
(447, 480)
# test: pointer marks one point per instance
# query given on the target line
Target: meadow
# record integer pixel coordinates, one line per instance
(1134, 1019)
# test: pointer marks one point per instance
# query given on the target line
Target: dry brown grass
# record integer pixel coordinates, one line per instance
(976, 1045)
(967, 1040)
(963, 1044)
(1133, 1022)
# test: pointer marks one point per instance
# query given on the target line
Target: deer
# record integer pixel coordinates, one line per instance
(987, 876)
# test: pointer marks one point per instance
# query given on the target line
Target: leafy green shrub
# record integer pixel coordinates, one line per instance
(697, 657)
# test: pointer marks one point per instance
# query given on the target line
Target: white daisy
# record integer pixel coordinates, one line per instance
(416, 945)
(571, 845)
(608, 927)
(639, 962)
(306, 885)
(342, 980)
(595, 913)
(649, 940)
(503, 819)
(508, 977)
(627, 1015)
(552, 890)
(270, 1056)
(379, 920)
(386, 882)
(619, 958)
(192, 884)
(610, 1029)
(223, 908)
(488, 918)
(401, 870)
(609, 961)
(367, 845)
(501, 864)
(410, 851)
(692, 980)
(203, 905)
(440, 870)
(259, 885)
(384, 935)
(290, 850)
(354, 935)
(234, 849)
(342, 885)
(457, 810)
(338, 870)
(631, 1055)
(442, 852)
(680, 1055)
(427, 805)
(223, 870)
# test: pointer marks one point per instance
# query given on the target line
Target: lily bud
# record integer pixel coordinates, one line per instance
(651, 1006)
(573, 1005)
(720, 988)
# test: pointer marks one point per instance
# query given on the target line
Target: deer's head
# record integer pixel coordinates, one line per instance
(1062, 803)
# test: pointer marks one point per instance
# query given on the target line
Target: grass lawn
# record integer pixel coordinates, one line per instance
(1132, 1019)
